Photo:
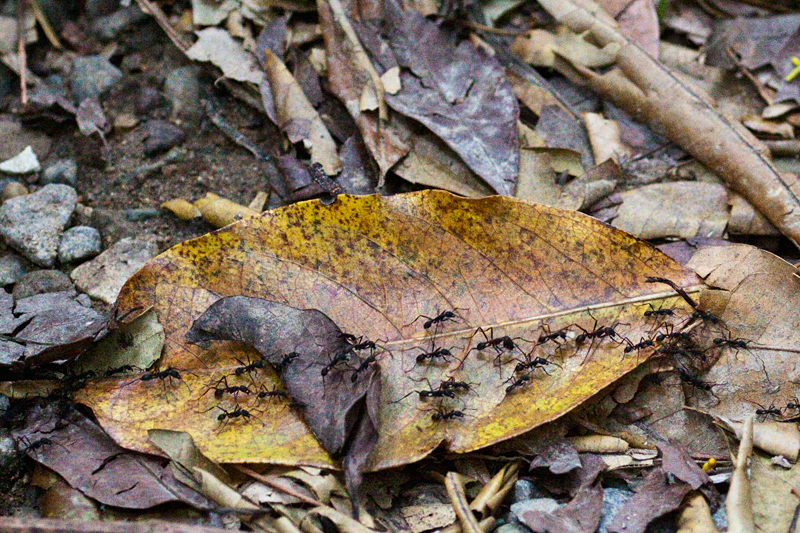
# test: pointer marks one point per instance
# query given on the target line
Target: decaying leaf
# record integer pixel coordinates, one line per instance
(653, 94)
(375, 266)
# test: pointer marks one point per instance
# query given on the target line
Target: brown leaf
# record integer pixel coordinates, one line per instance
(655, 497)
(374, 265)
(580, 515)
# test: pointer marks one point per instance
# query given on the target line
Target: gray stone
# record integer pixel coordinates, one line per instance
(112, 224)
(42, 282)
(143, 213)
(92, 76)
(103, 277)
(613, 499)
(33, 224)
(12, 268)
(526, 490)
(79, 243)
(61, 171)
(182, 89)
(148, 99)
(24, 162)
(720, 518)
(110, 26)
(161, 136)
(513, 527)
(539, 505)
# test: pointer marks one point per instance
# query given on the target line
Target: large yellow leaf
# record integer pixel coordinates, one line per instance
(373, 265)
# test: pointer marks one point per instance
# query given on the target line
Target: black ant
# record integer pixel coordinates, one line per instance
(232, 390)
(438, 320)
(533, 364)
(429, 393)
(764, 412)
(439, 353)
(274, 393)
(440, 414)
(118, 370)
(518, 383)
(248, 368)
(457, 386)
(226, 415)
(707, 317)
(35, 445)
(338, 358)
(697, 383)
(161, 375)
(554, 336)
(793, 405)
(286, 361)
(672, 334)
(362, 367)
(644, 343)
(659, 312)
(732, 343)
(596, 333)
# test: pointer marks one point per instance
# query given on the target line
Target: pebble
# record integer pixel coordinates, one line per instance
(92, 76)
(148, 99)
(33, 224)
(182, 89)
(513, 527)
(8, 449)
(526, 490)
(24, 162)
(539, 505)
(161, 136)
(126, 121)
(79, 243)
(41, 282)
(112, 224)
(13, 189)
(108, 27)
(103, 277)
(613, 499)
(144, 213)
(60, 171)
(12, 268)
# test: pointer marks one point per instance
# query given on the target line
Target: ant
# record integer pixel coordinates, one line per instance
(596, 333)
(439, 353)
(248, 368)
(518, 383)
(430, 393)
(274, 393)
(161, 375)
(533, 364)
(439, 319)
(440, 414)
(338, 358)
(764, 412)
(645, 343)
(732, 343)
(286, 361)
(554, 336)
(793, 405)
(697, 383)
(671, 334)
(119, 370)
(707, 317)
(232, 390)
(226, 415)
(363, 366)
(659, 312)
(457, 386)
(35, 445)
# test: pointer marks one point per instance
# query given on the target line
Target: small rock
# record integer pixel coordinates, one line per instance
(109, 27)
(33, 223)
(613, 499)
(92, 76)
(13, 189)
(513, 527)
(12, 268)
(126, 121)
(144, 213)
(161, 136)
(79, 243)
(148, 99)
(539, 505)
(526, 490)
(61, 171)
(8, 448)
(41, 282)
(23, 163)
(103, 277)
(182, 89)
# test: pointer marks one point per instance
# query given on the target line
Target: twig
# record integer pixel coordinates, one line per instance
(45, 24)
(278, 486)
(152, 9)
(455, 489)
(683, 294)
(22, 54)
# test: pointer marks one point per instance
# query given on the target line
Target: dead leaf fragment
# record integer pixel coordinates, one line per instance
(739, 502)
(221, 211)
(297, 117)
(218, 47)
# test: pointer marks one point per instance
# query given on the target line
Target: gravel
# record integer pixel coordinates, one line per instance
(103, 277)
(92, 76)
(42, 282)
(33, 224)
(63, 171)
(78, 244)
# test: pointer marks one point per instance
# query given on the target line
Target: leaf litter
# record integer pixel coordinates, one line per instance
(177, 378)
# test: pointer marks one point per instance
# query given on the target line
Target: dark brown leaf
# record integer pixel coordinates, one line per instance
(655, 497)
(581, 515)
